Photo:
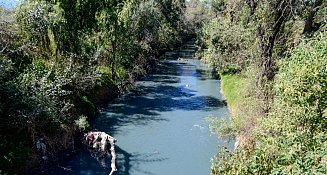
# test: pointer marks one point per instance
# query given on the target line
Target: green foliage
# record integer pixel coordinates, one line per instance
(232, 88)
(34, 21)
(59, 58)
(230, 47)
(82, 123)
(301, 84)
(292, 139)
(218, 5)
(238, 91)
(266, 36)
(13, 155)
(86, 106)
(197, 14)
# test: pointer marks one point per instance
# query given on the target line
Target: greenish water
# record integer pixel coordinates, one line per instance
(160, 126)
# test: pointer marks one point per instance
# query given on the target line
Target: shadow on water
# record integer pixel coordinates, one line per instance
(145, 105)
(205, 74)
(167, 70)
(162, 79)
(126, 161)
(154, 94)
(88, 163)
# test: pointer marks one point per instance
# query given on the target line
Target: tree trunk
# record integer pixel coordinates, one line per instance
(268, 35)
(252, 5)
(114, 50)
(308, 27)
(113, 77)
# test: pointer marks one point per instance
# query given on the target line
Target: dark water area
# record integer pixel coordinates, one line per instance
(161, 126)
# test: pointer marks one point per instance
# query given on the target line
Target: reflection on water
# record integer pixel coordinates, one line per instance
(161, 125)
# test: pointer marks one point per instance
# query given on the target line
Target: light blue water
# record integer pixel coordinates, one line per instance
(161, 126)
(9, 4)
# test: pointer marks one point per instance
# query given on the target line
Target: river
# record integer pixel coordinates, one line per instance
(161, 125)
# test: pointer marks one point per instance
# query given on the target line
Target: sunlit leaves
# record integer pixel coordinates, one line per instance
(292, 139)
(66, 53)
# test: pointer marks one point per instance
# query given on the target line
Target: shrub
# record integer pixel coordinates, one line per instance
(82, 122)
(292, 139)
(230, 47)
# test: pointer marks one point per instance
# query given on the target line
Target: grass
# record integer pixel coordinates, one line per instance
(238, 89)
(234, 89)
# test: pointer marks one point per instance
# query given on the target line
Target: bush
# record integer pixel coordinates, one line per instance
(292, 139)
(230, 47)
(82, 122)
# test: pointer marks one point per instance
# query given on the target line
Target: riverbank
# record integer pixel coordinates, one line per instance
(88, 103)
(232, 88)
(293, 129)
(162, 111)
(56, 72)
(243, 107)
(93, 101)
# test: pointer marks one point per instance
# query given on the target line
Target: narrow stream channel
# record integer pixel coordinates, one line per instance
(161, 126)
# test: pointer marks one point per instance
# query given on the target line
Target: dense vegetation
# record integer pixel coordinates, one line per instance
(274, 52)
(60, 58)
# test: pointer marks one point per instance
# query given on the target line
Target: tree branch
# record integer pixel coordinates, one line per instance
(308, 27)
